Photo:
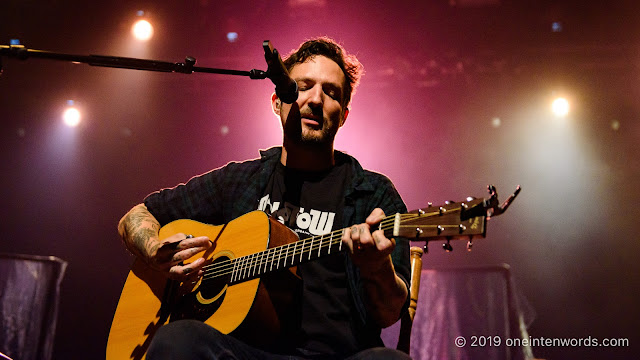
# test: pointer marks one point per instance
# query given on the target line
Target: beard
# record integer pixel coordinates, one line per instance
(321, 136)
(304, 135)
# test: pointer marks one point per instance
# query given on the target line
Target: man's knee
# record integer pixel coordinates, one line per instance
(182, 339)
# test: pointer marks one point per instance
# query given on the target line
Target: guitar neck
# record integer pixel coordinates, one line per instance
(285, 256)
(450, 221)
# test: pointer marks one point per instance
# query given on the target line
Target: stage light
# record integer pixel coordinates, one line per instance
(71, 115)
(14, 42)
(142, 30)
(496, 122)
(232, 36)
(560, 107)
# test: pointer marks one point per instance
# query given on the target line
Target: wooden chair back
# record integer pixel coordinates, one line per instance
(406, 323)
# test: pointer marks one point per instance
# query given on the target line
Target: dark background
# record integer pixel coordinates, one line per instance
(438, 75)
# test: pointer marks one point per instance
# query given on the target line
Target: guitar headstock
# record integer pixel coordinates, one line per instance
(451, 221)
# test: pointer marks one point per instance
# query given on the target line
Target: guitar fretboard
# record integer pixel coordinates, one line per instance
(444, 222)
(251, 266)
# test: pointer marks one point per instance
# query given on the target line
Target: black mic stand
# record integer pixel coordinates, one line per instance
(187, 67)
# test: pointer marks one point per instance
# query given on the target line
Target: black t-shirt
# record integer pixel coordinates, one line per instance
(310, 203)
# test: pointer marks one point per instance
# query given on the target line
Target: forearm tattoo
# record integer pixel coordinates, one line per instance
(140, 232)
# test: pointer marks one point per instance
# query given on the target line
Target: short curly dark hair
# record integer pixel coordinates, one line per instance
(324, 46)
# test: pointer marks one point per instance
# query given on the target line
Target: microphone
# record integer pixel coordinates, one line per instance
(286, 87)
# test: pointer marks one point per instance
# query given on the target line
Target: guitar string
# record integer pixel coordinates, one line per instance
(257, 262)
(222, 268)
(383, 223)
(312, 238)
(383, 226)
(250, 263)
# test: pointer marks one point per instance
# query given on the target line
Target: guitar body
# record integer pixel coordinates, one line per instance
(149, 300)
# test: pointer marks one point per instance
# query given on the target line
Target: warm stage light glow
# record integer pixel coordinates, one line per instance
(142, 30)
(560, 107)
(71, 117)
(615, 125)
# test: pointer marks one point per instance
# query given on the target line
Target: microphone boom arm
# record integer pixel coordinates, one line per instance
(187, 67)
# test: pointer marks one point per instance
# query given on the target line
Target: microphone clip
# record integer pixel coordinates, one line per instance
(286, 88)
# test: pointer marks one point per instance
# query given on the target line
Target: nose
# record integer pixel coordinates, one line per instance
(315, 97)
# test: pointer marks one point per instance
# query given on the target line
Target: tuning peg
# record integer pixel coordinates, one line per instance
(449, 202)
(463, 207)
(469, 244)
(493, 206)
(426, 248)
(447, 246)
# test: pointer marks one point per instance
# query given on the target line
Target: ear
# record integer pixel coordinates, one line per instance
(275, 104)
(344, 117)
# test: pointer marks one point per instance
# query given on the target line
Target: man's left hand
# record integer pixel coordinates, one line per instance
(371, 253)
(369, 250)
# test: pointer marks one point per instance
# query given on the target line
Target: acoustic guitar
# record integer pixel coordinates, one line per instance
(247, 273)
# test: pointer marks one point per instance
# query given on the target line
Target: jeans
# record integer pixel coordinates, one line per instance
(192, 340)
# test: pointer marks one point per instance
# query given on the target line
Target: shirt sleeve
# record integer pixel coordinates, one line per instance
(198, 199)
(215, 197)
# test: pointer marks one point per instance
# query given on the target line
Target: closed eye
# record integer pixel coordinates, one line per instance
(332, 91)
(304, 85)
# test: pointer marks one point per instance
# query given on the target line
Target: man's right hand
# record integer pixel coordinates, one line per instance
(171, 252)
(140, 232)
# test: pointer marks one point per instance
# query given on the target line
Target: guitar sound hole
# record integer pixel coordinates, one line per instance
(207, 298)
(216, 277)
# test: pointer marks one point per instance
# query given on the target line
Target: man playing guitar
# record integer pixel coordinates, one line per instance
(345, 298)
